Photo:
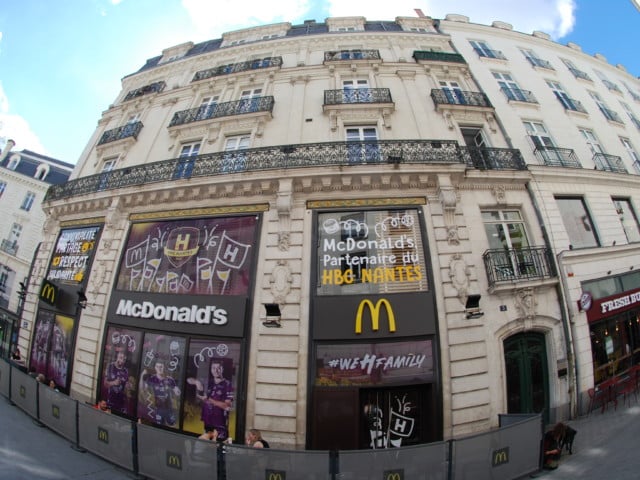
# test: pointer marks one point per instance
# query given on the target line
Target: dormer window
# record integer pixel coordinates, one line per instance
(346, 24)
(13, 162)
(42, 171)
(175, 53)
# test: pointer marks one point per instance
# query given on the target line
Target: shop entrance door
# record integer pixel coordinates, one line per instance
(527, 374)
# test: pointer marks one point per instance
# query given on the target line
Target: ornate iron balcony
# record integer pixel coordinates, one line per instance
(516, 265)
(238, 67)
(425, 152)
(487, 53)
(570, 103)
(538, 62)
(611, 86)
(217, 110)
(442, 96)
(517, 95)
(610, 114)
(609, 163)
(156, 87)
(580, 74)
(357, 54)
(128, 130)
(438, 56)
(557, 157)
(357, 95)
(10, 247)
(493, 158)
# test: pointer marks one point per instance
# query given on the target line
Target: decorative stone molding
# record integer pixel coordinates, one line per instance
(449, 201)
(283, 207)
(459, 275)
(526, 302)
(280, 281)
(498, 192)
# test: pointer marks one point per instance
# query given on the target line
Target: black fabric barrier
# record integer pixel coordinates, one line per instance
(58, 412)
(168, 455)
(24, 392)
(106, 435)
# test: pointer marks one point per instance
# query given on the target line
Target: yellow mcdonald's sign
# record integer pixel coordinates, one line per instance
(374, 311)
(394, 475)
(103, 435)
(49, 293)
(275, 475)
(174, 460)
(500, 457)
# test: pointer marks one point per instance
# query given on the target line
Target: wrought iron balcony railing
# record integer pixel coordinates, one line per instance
(10, 247)
(238, 67)
(493, 158)
(438, 56)
(538, 62)
(487, 53)
(217, 110)
(518, 264)
(128, 130)
(442, 96)
(557, 157)
(156, 87)
(570, 103)
(357, 54)
(357, 95)
(517, 95)
(580, 74)
(609, 163)
(425, 152)
(611, 86)
(610, 114)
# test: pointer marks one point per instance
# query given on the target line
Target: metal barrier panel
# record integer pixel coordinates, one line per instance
(420, 462)
(168, 455)
(58, 412)
(24, 392)
(106, 435)
(270, 464)
(5, 378)
(503, 454)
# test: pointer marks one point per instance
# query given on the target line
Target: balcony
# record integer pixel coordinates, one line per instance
(610, 114)
(609, 163)
(570, 103)
(156, 87)
(483, 158)
(329, 154)
(357, 95)
(538, 62)
(358, 54)
(518, 265)
(423, 55)
(517, 95)
(238, 107)
(487, 53)
(580, 74)
(126, 131)
(557, 157)
(611, 86)
(10, 247)
(443, 96)
(267, 62)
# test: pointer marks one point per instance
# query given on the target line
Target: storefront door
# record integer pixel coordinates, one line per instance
(527, 374)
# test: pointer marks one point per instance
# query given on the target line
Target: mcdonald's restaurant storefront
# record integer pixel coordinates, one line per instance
(374, 368)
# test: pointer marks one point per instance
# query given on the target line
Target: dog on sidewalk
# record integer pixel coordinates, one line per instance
(567, 438)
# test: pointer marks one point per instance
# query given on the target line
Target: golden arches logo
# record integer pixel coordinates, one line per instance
(103, 435)
(374, 311)
(275, 475)
(500, 457)
(49, 293)
(393, 475)
(174, 460)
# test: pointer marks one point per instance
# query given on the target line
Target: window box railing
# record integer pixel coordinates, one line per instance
(611, 86)
(383, 152)
(357, 54)
(238, 107)
(538, 62)
(438, 56)
(609, 163)
(128, 130)
(610, 114)
(10, 247)
(357, 95)
(238, 67)
(443, 96)
(484, 158)
(570, 103)
(156, 87)
(580, 74)
(518, 264)
(557, 157)
(517, 95)
(487, 53)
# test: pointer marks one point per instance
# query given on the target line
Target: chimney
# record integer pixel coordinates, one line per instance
(7, 148)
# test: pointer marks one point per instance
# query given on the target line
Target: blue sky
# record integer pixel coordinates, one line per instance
(62, 61)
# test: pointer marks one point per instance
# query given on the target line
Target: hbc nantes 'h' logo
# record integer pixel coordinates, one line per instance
(374, 312)
(182, 244)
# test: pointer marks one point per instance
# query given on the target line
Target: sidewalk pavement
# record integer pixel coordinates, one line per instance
(607, 446)
(29, 451)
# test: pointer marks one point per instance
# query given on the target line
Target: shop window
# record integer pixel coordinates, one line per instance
(628, 219)
(615, 345)
(577, 222)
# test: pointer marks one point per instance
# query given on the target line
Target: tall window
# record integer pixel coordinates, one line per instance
(3, 186)
(631, 114)
(628, 219)
(577, 222)
(235, 160)
(633, 155)
(27, 203)
(207, 107)
(509, 87)
(592, 141)
(544, 146)
(188, 153)
(575, 70)
(356, 91)
(250, 100)
(536, 61)
(483, 50)
(189, 149)
(607, 83)
(14, 236)
(606, 111)
(366, 149)
(508, 243)
(567, 102)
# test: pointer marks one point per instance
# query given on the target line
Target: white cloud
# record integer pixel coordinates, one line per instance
(16, 128)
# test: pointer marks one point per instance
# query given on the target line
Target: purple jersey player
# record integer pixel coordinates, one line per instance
(163, 389)
(116, 381)
(217, 402)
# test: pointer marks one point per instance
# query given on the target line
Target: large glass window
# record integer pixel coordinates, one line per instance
(508, 243)
(577, 222)
(615, 345)
(628, 219)
(28, 200)
(362, 144)
(362, 252)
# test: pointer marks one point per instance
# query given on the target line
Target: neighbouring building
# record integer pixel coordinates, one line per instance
(349, 234)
